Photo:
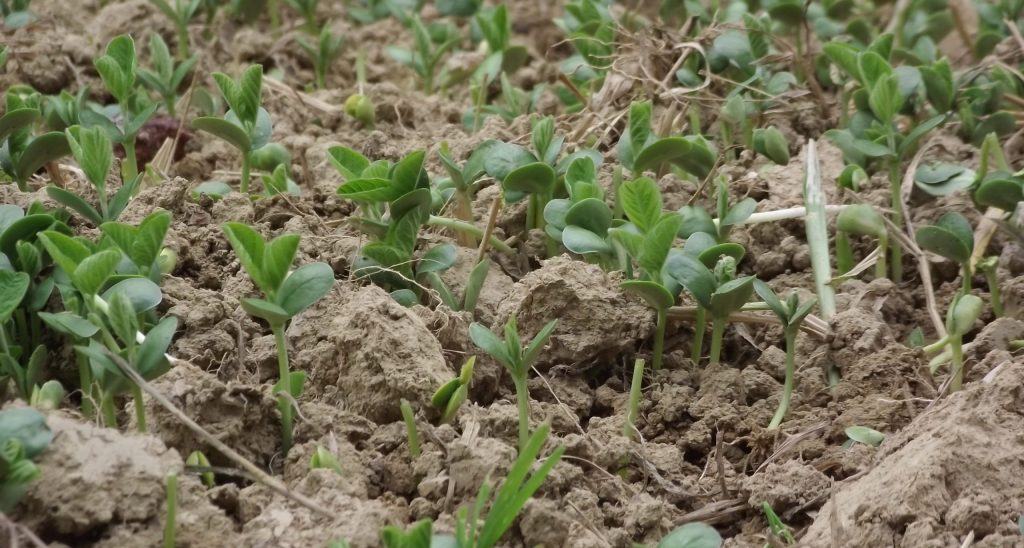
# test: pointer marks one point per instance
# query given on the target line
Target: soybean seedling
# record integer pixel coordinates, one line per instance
(516, 360)
(411, 431)
(426, 56)
(692, 535)
(166, 77)
(358, 105)
(142, 245)
(419, 535)
(94, 153)
(21, 153)
(24, 435)
(450, 396)
(864, 220)
(198, 460)
(462, 182)
(960, 318)
(770, 143)
(324, 459)
(286, 294)
(180, 14)
(641, 150)
(791, 314)
(720, 292)
(502, 56)
(278, 182)
(633, 411)
(118, 68)
(582, 222)
(989, 266)
(246, 126)
(951, 238)
(323, 53)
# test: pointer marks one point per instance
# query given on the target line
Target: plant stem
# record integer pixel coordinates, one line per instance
(245, 173)
(531, 212)
(410, 428)
(107, 408)
(172, 510)
(131, 167)
(897, 212)
(634, 399)
(523, 403)
(85, 385)
(787, 389)
(967, 275)
(844, 253)
(699, 326)
(717, 330)
(182, 42)
(880, 266)
(992, 279)
(453, 224)
(659, 338)
(956, 364)
(140, 408)
(285, 402)
(275, 16)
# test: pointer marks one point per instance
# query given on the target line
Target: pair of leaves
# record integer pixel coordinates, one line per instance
(719, 299)
(88, 270)
(450, 396)
(1000, 190)
(942, 179)
(792, 312)
(508, 352)
(366, 184)
(117, 68)
(950, 237)
(141, 244)
(640, 150)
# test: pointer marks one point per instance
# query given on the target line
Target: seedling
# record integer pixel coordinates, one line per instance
(142, 245)
(307, 9)
(171, 508)
(166, 77)
(23, 437)
(450, 396)
(368, 11)
(463, 182)
(692, 535)
(951, 238)
(509, 501)
(16, 14)
(323, 53)
(419, 535)
(197, 459)
(441, 258)
(697, 219)
(864, 220)
(324, 459)
(21, 154)
(180, 14)
(720, 292)
(989, 266)
(94, 153)
(865, 435)
(779, 529)
(426, 56)
(641, 150)
(963, 312)
(286, 294)
(582, 221)
(791, 314)
(64, 110)
(246, 126)
(771, 143)
(358, 105)
(412, 433)
(516, 360)
(278, 182)
(633, 411)
(496, 30)
(118, 69)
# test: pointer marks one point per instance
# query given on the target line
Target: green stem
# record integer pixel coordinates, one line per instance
(967, 275)
(172, 510)
(454, 224)
(880, 266)
(787, 389)
(897, 211)
(523, 403)
(956, 364)
(108, 411)
(169, 105)
(531, 211)
(85, 384)
(410, 428)
(131, 167)
(183, 42)
(634, 399)
(936, 346)
(140, 408)
(717, 331)
(844, 253)
(285, 397)
(275, 16)
(245, 173)
(699, 326)
(992, 278)
(659, 338)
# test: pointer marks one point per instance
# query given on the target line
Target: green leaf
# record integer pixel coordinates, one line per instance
(939, 85)
(710, 255)
(861, 219)
(653, 293)
(919, 131)
(408, 173)
(739, 213)
(694, 276)
(692, 535)
(943, 179)
(70, 324)
(844, 56)
(278, 255)
(249, 247)
(92, 149)
(885, 98)
(872, 149)
(641, 201)
(93, 272)
(308, 284)
(533, 178)
(770, 142)
(582, 241)
(28, 427)
(232, 133)
(76, 203)
(369, 190)
(536, 345)
(951, 237)
(439, 258)
(272, 313)
(17, 119)
(13, 286)
(1000, 192)
(500, 158)
(347, 161)
(23, 229)
(213, 189)
(731, 296)
(656, 245)
(639, 128)
(591, 214)
(873, 68)
(671, 150)
(66, 251)
(474, 284)
(143, 294)
(772, 300)
(865, 435)
(486, 340)
(695, 220)
(151, 360)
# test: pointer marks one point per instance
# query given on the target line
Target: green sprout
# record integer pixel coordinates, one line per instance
(463, 182)
(171, 505)
(426, 56)
(865, 435)
(963, 312)
(772, 144)
(118, 68)
(791, 314)
(633, 411)
(324, 459)
(419, 535)
(307, 9)
(24, 435)
(64, 110)
(641, 150)
(94, 153)
(323, 53)
(197, 460)
(166, 78)
(989, 266)
(451, 395)
(412, 433)
(582, 222)
(278, 182)
(864, 220)
(502, 56)
(246, 126)
(286, 295)
(779, 529)
(180, 14)
(21, 153)
(142, 245)
(48, 396)
(951, 238)
(517, 360)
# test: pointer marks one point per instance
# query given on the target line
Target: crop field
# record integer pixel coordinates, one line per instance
(474, 274)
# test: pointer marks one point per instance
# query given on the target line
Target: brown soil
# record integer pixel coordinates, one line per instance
(949, 467)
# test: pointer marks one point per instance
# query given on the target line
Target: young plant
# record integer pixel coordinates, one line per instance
(960, 318)
(692, 535)
(118, 69)
(719, 292)
(951, 238)
(412, 433)
(64, 110)
(516, 360)
(324, 459)
(779, 529)
(142, 245)
(278, 182)
(21, 153)
(462, 182)
(24, 435)
(171, 509)
(94, 153)
(286, 294)
(419, 535)
(307, 9)
(426, 56)
(989, 266)
(323, 53)
(791, 314)
(641, 150)
(197, 460)
(165, 79)
(633, 411)
(246, 126)
(770, 143)
(864, 220)
(582, 222)
(450, 396)
(502, 56)
(358, 105)
(180, 14)
(696, 219)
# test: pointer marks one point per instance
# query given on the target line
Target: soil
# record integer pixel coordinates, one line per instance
(950, 467)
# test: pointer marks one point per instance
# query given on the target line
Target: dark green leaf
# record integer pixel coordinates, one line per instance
(232, 133)
(671, 150)
(653, 293)
(151, 360)
(70, 324)
(534, 178)
(694, 276)
(641, 201)
(487, 341)
(143, 294)
(731, 296)
(304, 287)
(13, 286)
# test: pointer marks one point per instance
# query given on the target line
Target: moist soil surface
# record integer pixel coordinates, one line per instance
(950, 467)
